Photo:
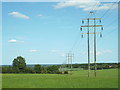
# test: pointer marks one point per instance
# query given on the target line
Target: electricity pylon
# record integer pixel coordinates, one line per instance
(88, 33)
(70, 58)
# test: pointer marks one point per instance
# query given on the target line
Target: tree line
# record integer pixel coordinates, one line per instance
(99, 66)
(19, 66)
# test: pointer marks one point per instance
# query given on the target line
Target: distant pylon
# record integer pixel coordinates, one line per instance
(70, 59)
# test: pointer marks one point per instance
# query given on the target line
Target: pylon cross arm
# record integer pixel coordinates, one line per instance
(92, 19)
(92, 26)
(92, 33)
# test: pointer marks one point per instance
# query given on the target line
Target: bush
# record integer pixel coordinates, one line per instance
(52, 69)
(65, 72)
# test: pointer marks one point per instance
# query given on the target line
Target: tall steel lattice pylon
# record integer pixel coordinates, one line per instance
(89, 26)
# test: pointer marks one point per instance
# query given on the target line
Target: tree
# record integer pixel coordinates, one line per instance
(4, 70)
(16, 70)
(19, 63)
(76, 65)
(43, 70)
(15, 62)
(29, 70)
(9, 69)
(52, 69)
(0, 69)
(38, 68)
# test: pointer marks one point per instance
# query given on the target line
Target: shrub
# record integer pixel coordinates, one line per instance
(65, 72)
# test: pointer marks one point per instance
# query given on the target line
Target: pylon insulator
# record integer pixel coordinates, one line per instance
(81, 29)
(101, 28)
(82, 35)
(101, 35)
(82, 22)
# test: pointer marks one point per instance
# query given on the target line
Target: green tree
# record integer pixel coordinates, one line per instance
(9, 69)
(52, 69)
(16, 70)
(43, 70)
(38, 68)
(15, 62)
(29, 70)
(4, 70)
(19, 63)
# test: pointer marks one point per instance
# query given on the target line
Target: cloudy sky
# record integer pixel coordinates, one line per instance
(44, 32)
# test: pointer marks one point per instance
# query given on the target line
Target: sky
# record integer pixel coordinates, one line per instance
(44, 32)
(56, 0)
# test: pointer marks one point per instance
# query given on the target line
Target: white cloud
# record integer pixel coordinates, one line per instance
(103, 52)
(33, 50)
(86, 5)
(15, 41)
(18, 15)
(40, 15)
(12, 41)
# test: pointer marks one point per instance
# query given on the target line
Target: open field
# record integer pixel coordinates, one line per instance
(105, 79)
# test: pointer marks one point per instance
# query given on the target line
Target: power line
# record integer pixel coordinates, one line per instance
(109, 15)
(113, 30)
(97, 5)
(75, 43)
(109, 9)
(94, 8)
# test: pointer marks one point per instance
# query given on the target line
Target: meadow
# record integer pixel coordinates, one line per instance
(78, 79)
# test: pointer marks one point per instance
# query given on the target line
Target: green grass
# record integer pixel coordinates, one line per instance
(105, 79)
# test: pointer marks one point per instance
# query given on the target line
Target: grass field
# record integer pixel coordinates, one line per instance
(105, 79)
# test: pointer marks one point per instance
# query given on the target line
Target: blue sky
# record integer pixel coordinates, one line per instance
(43, 32)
